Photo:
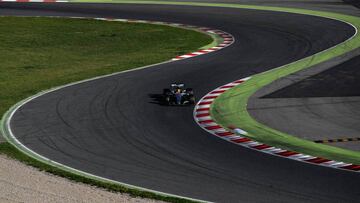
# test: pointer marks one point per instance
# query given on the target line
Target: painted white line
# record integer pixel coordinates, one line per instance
(208, 100)
(209, 124)
(276, 150)
(328, 163)
(340, 164)
(204, 106)
(306, 157)
(208, 50)
(215, 94)
(198, 53)
(232, 137)
(240, 131)
(252, 143)
(220, 130)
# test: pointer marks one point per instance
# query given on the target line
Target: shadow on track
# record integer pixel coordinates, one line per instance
(158, 99)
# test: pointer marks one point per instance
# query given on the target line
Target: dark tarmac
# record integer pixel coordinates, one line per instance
(110, 127)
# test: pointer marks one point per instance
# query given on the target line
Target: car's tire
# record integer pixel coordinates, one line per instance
(189, 91)
(192, 99)
(166, 91)
(167, 100)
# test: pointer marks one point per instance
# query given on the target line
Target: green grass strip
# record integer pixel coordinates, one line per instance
(35, 56)
(216, 41)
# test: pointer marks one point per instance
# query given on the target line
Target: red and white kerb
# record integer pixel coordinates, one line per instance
(238, 136)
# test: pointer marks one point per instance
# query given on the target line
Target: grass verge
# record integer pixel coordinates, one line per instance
(36, 56)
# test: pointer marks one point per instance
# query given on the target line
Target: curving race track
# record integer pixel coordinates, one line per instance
(111, 127)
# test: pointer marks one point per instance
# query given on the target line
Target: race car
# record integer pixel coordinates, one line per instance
(178, 95)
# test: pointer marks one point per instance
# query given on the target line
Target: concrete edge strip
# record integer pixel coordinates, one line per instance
(5, 126)
(349, 139)
(238, 136)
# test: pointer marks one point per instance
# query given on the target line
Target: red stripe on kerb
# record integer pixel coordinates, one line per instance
(261, 147)
(224, 134)
(352, 167)
(206, 121)
(204, 103)
(240, 140)
(318, 160)
(202, 115)
(228, 86)
(218, 91)
(203, 109)
(213, 127)
(210, 97)
(239, 81)
(287, 153)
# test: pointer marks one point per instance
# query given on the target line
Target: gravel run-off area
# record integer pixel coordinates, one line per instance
(22, 183)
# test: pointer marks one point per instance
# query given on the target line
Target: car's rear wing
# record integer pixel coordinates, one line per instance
(180, 85)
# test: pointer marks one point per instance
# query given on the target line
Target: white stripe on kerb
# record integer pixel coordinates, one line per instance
(220, 130)
(205, 106)
(198, 53)
(207, 100)
(204, 118)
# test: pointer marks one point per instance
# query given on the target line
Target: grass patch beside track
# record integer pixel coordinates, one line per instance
(41, 53)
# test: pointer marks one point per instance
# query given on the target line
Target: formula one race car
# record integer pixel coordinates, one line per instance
(178, 95)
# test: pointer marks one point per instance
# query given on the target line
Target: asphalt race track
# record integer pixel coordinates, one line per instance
(326, 104)
(338, 79)
(112, 127)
